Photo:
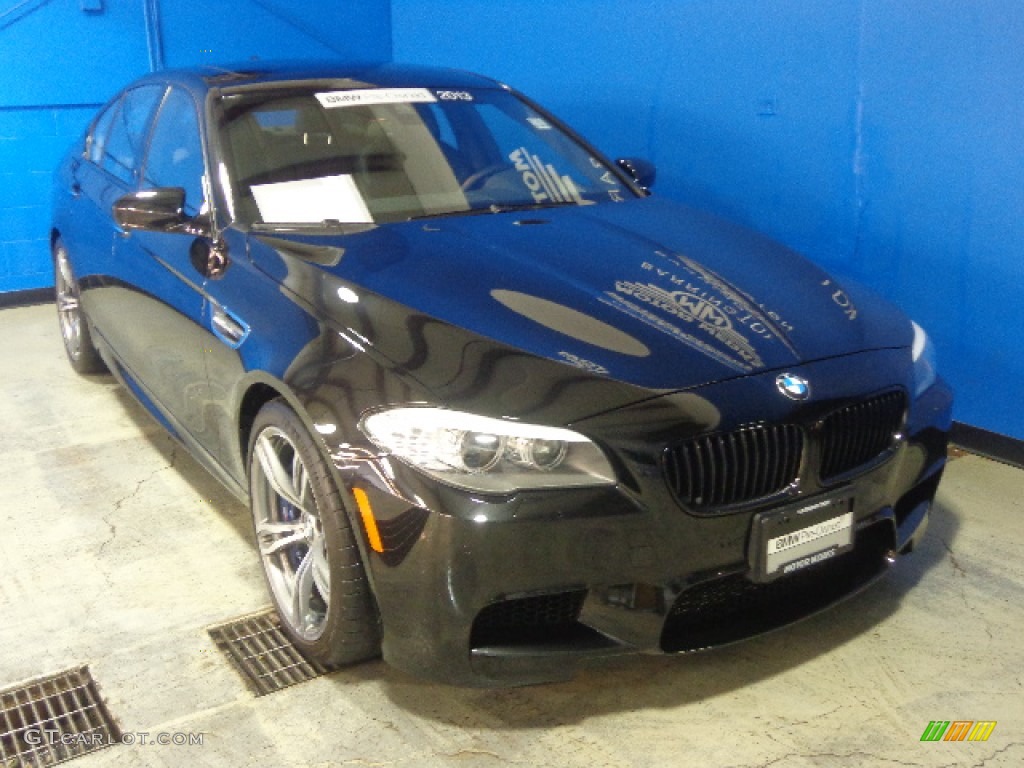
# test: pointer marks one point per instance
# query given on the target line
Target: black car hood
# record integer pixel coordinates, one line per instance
(646, 293)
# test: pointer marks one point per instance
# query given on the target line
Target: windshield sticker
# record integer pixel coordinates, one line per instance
(454, 95)
(539, 123)
(311, 201)
(614, 191)
(370, 96)
(543, 181)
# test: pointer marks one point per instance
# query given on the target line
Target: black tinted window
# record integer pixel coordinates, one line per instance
(175, 157)
(123, 151)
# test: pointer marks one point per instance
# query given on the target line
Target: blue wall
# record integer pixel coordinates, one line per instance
(883, 139)
(61, 59)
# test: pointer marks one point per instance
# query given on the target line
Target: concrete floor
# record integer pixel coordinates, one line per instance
(117, 551)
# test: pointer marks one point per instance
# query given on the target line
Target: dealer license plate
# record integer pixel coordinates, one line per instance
(793, 538)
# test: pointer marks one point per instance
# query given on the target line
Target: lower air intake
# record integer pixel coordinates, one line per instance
(538, 619)
(733, 608)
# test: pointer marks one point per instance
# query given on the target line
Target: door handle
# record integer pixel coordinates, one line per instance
(228, 327)
(76, 189)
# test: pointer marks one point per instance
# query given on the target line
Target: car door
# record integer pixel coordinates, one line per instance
(107, 170)
(160, 330)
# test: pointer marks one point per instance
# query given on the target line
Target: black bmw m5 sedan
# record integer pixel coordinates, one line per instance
(496, 409)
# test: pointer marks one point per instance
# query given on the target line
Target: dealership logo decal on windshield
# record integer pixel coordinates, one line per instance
(958, 730)
(366, 96)
(544, 181)
(614, 185)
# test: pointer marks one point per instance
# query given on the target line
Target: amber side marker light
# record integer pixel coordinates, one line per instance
(369, 522)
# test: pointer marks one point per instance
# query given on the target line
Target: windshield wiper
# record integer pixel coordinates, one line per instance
(498, 208)
(329, 225)
(534, 206)
(448, 214)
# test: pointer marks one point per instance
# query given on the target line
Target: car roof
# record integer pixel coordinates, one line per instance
(331, 73)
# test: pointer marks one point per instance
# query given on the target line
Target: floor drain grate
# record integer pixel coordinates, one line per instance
(53, 719)
(262, 653)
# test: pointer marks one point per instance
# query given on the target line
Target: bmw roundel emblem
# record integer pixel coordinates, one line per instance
(792, 386)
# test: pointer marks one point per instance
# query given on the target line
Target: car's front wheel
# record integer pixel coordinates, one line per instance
(307, 546)
(74, 327)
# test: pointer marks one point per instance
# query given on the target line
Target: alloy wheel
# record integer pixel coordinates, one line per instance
(290, 534)
(68, 314)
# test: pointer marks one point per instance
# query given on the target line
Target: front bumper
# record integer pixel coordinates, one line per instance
(514, 590)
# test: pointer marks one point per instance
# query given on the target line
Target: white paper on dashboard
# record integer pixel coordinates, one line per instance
(310, 201)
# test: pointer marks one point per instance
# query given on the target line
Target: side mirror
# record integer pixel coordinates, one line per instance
(641, 171)
(158, 210)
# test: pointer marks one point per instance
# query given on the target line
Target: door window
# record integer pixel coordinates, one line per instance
(122, 150)
(175, 157)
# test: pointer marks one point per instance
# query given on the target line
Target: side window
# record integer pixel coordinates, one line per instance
(175, 157)
(100, 129)
(122, 152)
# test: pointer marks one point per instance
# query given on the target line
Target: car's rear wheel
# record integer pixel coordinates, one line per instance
(306, 543)
(74, 327)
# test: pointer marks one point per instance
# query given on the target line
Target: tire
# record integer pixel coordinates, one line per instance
(306, 543)
(74, 326)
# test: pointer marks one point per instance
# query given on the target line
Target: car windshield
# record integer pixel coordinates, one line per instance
(312, 156)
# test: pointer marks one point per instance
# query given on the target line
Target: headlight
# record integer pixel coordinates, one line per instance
(484, 454)
(923, 353)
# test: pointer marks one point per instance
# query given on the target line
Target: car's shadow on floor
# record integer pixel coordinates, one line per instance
(631, 682)
(216, 497)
